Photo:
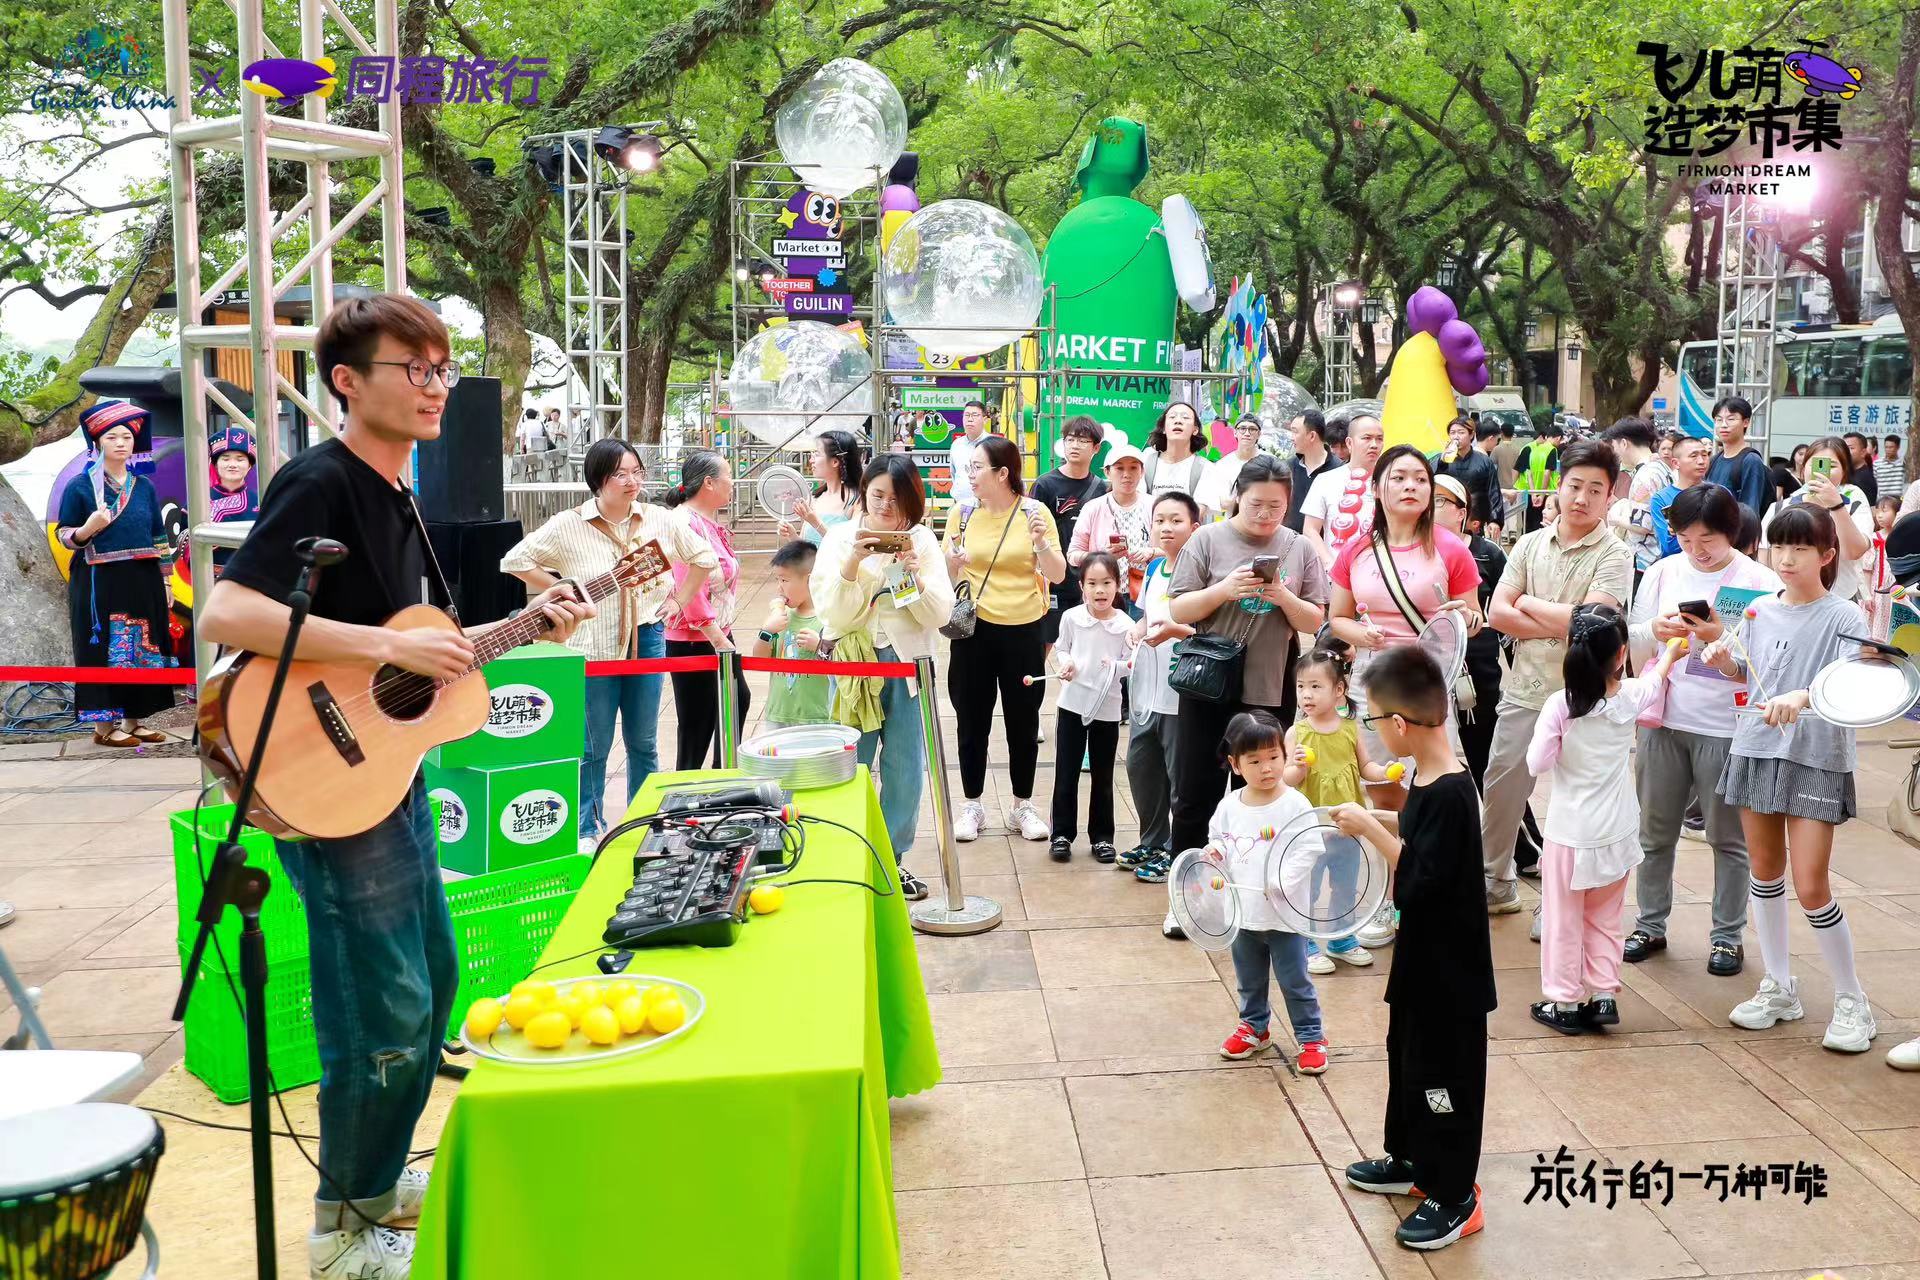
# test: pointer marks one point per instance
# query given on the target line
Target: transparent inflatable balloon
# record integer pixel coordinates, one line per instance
(961, 263)
(842, 126)
(804, 377)
(1282, 400)
(1347, 410)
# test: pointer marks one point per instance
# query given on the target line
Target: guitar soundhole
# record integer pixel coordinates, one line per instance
(402, 695)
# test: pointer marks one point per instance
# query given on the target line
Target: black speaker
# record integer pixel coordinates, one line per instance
(470, 555)
(460, 473)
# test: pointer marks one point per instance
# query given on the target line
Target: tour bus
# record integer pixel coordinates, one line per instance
(1828, 380)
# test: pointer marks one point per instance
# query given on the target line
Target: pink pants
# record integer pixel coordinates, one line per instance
(1579, 930)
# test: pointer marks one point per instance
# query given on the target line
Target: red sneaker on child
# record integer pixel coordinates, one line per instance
(1245, 1042)
(1313, 1058)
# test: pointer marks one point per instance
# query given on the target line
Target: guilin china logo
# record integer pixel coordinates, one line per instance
(99, 69)
(1773, 99)
(533, 816)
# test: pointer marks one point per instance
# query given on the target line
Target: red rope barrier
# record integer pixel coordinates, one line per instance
(99, 675)
(817, 667)
(653, 666)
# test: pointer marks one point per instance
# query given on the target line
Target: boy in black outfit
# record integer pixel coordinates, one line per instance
(1441, 987)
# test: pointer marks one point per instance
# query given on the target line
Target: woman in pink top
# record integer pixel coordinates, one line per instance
(706, 624)
(1434, 567)
(1118, 521)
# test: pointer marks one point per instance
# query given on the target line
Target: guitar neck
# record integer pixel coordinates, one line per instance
(531, 625)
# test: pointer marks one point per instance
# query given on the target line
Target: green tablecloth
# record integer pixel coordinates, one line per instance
(755, 1147)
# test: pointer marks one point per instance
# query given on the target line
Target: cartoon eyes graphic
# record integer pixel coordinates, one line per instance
(823, 211)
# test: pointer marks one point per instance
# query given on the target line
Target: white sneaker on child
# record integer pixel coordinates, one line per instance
(1026, 819)
(409, 1193)
(1319, 963)
(1357, 956)
(1770, 1004)
(1379, 931)
(371, 1253)
(1853, 1028)
(967, 822)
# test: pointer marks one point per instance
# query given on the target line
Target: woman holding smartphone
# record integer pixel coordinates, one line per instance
(1684, 741)
(1118, 522)
(883, 575)
(1823, 473)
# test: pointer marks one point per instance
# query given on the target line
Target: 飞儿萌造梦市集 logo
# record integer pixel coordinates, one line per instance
(1771, 99)
(277, 78)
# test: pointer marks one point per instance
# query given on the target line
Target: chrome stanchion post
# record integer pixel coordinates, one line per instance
(957, 913)
(728, 703)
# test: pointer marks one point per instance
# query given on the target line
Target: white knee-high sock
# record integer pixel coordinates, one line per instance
(1835, 936)
(1769, 899)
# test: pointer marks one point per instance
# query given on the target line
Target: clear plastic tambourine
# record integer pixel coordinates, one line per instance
(1444, 639)
(1101, 683)
(1204, 905)
(1321, 882)
(780, 490)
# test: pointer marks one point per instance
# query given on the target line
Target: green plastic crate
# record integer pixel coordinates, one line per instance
(282, 918)
(503, 920)
(217, 1031)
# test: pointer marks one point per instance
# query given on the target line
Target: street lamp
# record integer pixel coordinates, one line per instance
(1533, 329)
(1447, 274)
(1573, 350)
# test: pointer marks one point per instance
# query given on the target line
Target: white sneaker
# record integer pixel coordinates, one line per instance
(1170, 928)
(1853, 1028)
(1379, 931)
(372, 1253)
(1533, 930)
(588, 844)
(1319, 963)
(1040, 735)
(967, 823)
(409, 1194)
(6, 913)
(1905, 1057)
(1772, 1003)
(1026, 819)
(1357, 956)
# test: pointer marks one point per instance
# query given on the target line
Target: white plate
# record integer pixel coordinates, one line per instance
(1862, 693)
(508, 1045)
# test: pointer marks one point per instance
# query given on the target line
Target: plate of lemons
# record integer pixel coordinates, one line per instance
(577, 1021)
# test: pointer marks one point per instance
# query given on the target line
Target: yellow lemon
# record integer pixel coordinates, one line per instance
(548, 1030)
(1308, 757)
(520, 1009)
(632, 1014)
(592, 992)
(483, 1018)
(601, 1024)
(540, 991)
(619, 990)
(667, 1016)
(1396, 771)
(659, 991)
(574, 1006)
(766, 899)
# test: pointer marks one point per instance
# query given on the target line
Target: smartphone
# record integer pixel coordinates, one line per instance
(894, 541)
(1698, 610)
(1266, 568)
(1824, 467)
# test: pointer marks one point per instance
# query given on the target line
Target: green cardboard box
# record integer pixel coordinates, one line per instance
(492, 819)
(539, 711)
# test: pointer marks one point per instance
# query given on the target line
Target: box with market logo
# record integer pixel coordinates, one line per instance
(492, 819)
(538, 714)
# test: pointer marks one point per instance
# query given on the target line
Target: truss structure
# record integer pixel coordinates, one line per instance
(258, 136)
(1336, 346)
(1749, 301)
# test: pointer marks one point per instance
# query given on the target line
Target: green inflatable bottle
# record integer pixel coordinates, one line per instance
(1111, 293)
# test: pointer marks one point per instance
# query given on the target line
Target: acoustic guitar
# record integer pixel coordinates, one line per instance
(350, 736)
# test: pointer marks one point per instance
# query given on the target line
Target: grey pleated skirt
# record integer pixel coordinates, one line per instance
(1783, 787)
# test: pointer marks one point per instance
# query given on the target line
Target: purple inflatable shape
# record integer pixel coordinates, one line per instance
(1428, 309)
(1472, 382)
(1460, 344)
(899, 199)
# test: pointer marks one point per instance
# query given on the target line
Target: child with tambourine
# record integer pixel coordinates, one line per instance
(1092, 654)
(1584, 738)
(1326, 763)
(1791, 774)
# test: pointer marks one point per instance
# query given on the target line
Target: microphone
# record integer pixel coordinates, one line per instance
(320, 552)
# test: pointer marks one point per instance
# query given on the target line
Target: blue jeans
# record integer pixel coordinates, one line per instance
(903, 758)
(384, 973)
(1345, 875)
(1254, 951)
(636, 700)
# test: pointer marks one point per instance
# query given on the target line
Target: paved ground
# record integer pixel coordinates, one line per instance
(1086, 1127)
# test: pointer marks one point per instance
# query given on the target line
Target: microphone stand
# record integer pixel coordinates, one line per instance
(231, 880)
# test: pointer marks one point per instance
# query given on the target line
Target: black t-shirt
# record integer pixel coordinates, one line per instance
(327, 491)
(1866, 482)
(1443, 955)
(1480, 476)
(1066, 497)
(1303, 481)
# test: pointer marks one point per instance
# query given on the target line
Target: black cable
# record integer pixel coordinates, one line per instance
(885, 877)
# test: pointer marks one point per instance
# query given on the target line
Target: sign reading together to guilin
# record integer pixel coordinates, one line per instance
(1777, 102)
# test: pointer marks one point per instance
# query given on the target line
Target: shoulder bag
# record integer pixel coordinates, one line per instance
(1212, 667)
(1464, 696)
(960, 624)
(1903, 811)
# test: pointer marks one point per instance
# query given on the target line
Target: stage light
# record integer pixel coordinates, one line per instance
(482, 165)
(1347, 295)
(625, 149)
(545, 159)
(742, 272)
(436, 216)
(1792, 195)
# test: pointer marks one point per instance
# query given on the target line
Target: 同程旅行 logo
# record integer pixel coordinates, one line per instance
(1772, 99)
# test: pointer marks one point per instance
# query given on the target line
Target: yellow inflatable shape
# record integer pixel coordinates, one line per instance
(1419, 402)
(891, 222)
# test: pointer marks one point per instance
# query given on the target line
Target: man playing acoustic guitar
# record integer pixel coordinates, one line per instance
(381, 942)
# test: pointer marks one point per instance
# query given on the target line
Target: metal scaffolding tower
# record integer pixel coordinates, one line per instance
(1749, 301)
(259, 136)
(1337, 350)
(593, 221)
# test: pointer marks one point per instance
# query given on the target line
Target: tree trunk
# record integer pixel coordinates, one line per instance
(509, 350)
(1896, 161)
